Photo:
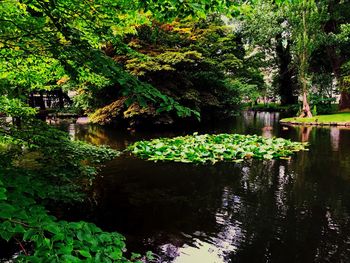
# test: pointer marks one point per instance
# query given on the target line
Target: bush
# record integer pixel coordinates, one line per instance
(40, 164)
(324, 105)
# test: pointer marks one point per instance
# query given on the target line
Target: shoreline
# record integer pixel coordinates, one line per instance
(300, 123)
(336, 119)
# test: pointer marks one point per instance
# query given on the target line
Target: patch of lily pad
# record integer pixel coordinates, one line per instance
(210, 148)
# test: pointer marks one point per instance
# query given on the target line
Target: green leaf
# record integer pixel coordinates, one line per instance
(7, 210)
(116, 254)
(3, 194)
(28, 234)
(85, 253)
(65, 249)
(52, 228)
(214, 148)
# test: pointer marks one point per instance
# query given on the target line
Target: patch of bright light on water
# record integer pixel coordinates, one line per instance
(212, 249)
(203, 252)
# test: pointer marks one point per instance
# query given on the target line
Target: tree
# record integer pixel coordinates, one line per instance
(329, 59)
(266, 31)
(337, 45)
(43, 42)
(344, 37)
(305, 18)
(201, 63)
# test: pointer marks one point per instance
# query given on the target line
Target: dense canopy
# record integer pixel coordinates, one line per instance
(148, 64)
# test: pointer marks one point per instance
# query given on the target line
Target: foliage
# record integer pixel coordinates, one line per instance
(112, 49)
(213, 148)
(22, 219)
(57, 159)
(45, 42)
(168, 9)
(274, 107)
(200, 63)
(305, 19)
(15, 108)
(166, 61)
(38, 165)
(267, 32)
(346, 77)
(304, 43)
(324, 105)
(262, 22)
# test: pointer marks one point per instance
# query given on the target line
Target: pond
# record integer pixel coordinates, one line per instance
(294, 210)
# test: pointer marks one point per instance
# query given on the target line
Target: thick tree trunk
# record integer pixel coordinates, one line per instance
(334, 55)
(336, 63)
(17, 122)
(31, 100)
(41, 101)
(344, 102)
(285, 83)
(60, 98)
(306, 112)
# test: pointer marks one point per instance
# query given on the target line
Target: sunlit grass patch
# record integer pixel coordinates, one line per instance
(337, 118)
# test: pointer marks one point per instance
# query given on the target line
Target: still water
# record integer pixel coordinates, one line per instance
(256, 211)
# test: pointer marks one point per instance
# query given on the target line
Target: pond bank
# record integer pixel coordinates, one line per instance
(338, 119)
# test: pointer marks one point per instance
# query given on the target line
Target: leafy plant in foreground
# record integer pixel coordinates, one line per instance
(42, 238)
(213, 148)
(40, 165)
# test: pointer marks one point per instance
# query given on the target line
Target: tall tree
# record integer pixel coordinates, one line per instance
(344, 79)
(337, 45)
(305, 18)
(265, 29)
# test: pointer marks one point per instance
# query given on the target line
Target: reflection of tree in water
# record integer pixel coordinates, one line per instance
(260, 211)
(335, 138)
(174, 200)
(256, 123)
(300, 212)
(99, 135)
(305, 133)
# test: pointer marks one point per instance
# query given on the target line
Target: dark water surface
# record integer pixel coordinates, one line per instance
(256, 211)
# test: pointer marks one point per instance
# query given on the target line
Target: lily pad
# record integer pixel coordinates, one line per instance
(209, 148)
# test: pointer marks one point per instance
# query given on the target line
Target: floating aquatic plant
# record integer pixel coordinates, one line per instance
(214, 148)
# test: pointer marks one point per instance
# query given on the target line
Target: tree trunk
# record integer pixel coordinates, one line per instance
(31, 100)
(41, 101)
(344, 102)
(17, 122)
(60, 98)
(306, 112)
(304, 60)
(285, 83)
(331, 26)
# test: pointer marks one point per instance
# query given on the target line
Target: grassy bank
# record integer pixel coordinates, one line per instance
(342, 118)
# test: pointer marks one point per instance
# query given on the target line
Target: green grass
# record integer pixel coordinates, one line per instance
(339, 118)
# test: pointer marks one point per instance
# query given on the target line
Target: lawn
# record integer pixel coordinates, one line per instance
(339, 118)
